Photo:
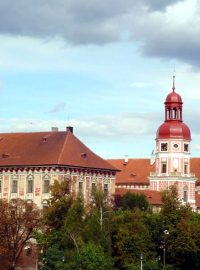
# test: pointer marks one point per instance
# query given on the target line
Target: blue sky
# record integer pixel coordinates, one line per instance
(104, 68)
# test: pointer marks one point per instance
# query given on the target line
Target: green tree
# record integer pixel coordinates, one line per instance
(130, 238)
(58, 205)
(131, 201)
(176, 220)
(91, 257)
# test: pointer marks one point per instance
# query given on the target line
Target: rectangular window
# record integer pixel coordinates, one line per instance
(185, 168)
(80, 187)
(164, 146)
(186, 147)
(30, 186)
(164, 167)
(185, 195)
(14, 186)
(46, 185)
(105, 188)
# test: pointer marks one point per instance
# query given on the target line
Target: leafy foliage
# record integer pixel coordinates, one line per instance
(18, 219)
(76, 236)
(131, 201)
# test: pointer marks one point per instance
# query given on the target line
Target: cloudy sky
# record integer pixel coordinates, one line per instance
(104, 67)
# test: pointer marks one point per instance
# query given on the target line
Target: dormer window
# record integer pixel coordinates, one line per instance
(164, 147)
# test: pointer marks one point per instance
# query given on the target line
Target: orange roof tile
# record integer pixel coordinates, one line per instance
(195, 168)
(197, 199)
(153, 197)
(135, 171)
(48, 148)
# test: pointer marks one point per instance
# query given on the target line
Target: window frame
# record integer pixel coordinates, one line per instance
(164, 165)
(161, 146)
(14, 187)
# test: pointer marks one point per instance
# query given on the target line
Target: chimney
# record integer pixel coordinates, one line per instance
(125, 159)
(69, 129)
(54, 129)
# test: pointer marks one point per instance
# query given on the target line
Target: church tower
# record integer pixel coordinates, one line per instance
(173, 150)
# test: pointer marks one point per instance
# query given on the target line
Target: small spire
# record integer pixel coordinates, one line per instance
(173, 86)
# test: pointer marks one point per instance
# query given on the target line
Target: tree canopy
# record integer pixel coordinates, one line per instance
(98, 236)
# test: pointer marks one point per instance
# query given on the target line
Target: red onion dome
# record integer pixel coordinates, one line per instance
(173, 97)
(173, 129)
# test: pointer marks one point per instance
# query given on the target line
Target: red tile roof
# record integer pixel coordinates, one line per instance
(153, 197)
(195, 168)
(197, 199)
(48, 148)
(134, 171)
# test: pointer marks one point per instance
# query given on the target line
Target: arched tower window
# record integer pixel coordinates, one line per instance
(173, 105)
(174, 113)
(168, 113)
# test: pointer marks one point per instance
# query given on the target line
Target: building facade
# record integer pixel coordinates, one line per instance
(31, 162)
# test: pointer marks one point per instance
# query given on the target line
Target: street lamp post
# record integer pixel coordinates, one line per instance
(141, 261)
(166, 232)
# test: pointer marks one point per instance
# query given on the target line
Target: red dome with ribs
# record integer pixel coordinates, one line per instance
(173, 129)
(173, 97)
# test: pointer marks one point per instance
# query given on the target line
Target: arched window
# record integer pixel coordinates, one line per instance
(46, 183)
(30, 183)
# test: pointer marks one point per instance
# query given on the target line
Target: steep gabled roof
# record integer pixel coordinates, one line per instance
(48, 148)
(134, 171)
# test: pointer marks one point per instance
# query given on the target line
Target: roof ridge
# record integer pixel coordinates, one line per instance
(63, 147)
